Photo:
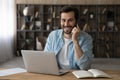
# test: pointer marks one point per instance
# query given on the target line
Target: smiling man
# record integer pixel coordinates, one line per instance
(72, 47)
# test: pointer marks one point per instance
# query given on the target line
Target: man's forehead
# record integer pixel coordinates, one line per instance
(67, 15)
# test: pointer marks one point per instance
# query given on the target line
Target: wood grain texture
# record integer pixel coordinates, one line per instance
(77, 2)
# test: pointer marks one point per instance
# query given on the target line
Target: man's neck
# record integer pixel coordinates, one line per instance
(68, 36)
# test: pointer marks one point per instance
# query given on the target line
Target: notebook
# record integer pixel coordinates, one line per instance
(41, 62)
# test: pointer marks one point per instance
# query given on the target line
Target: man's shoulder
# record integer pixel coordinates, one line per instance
(85, 34)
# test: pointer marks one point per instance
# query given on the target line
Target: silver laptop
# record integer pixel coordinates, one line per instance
(41, 62)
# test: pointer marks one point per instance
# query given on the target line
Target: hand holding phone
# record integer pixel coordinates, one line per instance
(75, 33)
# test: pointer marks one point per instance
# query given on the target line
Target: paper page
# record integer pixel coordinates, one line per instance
(82, 74)
(11, 71)
(98, 73)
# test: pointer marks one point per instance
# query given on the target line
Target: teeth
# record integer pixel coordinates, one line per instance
(66, 28)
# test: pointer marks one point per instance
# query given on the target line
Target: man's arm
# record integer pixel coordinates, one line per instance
(84, 62)
(83, 54)
(77, 48)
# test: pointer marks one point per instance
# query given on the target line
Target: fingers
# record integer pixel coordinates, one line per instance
(77, 27)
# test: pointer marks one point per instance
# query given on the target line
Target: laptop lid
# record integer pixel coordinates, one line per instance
(40, 62)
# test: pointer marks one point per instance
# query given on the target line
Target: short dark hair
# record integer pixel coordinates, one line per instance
(69, 9)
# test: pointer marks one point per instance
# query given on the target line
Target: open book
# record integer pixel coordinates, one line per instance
(91, 73)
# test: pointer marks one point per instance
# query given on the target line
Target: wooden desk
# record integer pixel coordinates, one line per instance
(69, 76)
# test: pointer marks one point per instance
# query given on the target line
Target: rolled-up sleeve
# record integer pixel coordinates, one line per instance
(85, 60)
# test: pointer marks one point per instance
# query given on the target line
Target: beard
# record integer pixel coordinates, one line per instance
(67, 29)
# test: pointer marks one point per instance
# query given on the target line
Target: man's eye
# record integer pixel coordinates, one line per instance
(70, 20)
(63, 20)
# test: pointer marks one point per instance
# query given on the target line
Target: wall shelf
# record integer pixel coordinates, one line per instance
(102, 22)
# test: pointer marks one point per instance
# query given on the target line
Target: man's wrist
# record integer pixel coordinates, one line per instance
(75, 42)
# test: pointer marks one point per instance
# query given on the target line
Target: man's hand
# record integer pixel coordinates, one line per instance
(77, 48)
(75, 33)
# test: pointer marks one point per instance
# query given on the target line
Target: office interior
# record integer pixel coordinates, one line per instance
(99, 18)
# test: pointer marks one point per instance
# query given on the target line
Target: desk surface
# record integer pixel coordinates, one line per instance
(68, 76)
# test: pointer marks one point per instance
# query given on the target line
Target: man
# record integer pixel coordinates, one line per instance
(72, 47)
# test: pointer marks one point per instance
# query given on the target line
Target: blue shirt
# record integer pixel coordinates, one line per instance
(55, 42)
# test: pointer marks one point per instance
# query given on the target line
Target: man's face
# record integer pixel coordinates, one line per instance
(67, 22)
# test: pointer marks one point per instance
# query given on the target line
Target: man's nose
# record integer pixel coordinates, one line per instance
(66, 23)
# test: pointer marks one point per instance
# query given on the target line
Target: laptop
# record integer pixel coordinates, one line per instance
(41, 62)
